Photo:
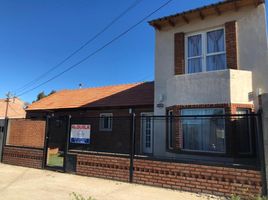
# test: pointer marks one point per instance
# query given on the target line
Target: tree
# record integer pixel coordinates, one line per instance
(52, 92)
(42, 95)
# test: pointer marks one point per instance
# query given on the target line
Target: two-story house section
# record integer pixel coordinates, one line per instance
(208, 61)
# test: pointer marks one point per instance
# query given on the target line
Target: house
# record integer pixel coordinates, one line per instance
(106, 109)
(209, 61)
(210, 68)
(15, 108)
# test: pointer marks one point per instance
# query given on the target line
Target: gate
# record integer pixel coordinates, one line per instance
(55, 148)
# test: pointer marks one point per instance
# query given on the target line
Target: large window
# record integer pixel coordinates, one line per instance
(206, 134)
(106, 121)
(205, 51)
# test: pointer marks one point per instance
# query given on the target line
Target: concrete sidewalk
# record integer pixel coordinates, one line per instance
(19, 183)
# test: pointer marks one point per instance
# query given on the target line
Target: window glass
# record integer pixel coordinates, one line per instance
(215, 41)
(216, 62)
(194, 54)
(194, 46)
(203, 133)
(194, 65)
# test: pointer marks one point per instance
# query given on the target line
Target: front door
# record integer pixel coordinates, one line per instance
(56, 143)
(147, 132)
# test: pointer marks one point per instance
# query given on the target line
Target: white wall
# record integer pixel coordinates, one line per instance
(252, 56)
(219, 87)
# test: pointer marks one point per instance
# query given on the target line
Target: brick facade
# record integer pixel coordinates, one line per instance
(26, 157)
(110, 167)
(198, 178)
(26, 133)
(231, 44)
(178, 137)
(179, 54)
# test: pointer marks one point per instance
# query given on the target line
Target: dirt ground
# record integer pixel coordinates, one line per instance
(19, 183)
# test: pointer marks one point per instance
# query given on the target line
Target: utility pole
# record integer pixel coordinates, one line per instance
(7, 100)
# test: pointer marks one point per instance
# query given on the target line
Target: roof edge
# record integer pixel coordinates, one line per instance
(170, 19)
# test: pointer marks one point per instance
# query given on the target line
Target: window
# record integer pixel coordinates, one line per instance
(205, 134)
(170, 130)
(106, 121)
(205, 51)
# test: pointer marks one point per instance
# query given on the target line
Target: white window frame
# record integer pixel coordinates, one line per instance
(110, 125)
(204, 48)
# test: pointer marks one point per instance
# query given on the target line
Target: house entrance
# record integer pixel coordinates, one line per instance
(56, 143)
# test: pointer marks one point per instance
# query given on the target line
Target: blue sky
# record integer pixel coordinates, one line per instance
(36, 35)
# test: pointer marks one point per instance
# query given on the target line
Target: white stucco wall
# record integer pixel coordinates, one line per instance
(219, 87)
(252, 56)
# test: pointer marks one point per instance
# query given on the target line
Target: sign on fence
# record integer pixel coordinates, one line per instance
(80, 133)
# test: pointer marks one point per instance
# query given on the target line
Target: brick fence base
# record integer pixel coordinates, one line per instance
(110, 167)
(26, 157)
(221, 181)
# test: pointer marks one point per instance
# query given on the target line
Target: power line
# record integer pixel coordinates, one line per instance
(80, 48)
(99, 49)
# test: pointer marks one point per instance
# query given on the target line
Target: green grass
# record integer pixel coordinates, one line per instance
(55, 160)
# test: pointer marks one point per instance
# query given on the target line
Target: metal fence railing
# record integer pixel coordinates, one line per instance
(216, 138)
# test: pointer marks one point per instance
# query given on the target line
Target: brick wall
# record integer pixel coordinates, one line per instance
(110, 167)
(231, 44)
(198, 178)
(27, 133)
(25, 157)
(179, 54)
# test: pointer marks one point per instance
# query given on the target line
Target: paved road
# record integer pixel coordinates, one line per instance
(19, 183)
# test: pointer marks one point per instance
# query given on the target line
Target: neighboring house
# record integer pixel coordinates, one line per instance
(107, 109)
(209, 60)
(15, 108)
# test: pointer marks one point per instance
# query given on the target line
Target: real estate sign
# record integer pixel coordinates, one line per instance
(80, 133)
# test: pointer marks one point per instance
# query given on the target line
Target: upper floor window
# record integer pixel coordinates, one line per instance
(205, 51)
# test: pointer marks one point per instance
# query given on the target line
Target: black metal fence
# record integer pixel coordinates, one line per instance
(217, 139)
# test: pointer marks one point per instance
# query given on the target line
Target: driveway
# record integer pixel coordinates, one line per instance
(21, 183)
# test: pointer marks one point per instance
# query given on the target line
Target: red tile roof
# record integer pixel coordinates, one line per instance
(137, 94)
(15, 108)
